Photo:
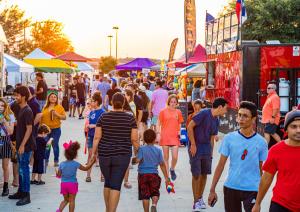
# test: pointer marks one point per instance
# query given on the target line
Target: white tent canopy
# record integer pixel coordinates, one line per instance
(81, 66)
(195, 70)
(38, 54)
(12, 64)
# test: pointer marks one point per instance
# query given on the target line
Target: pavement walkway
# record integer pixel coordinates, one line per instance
(46, 198)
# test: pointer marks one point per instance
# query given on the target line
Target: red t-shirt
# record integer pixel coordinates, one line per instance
(285, 161)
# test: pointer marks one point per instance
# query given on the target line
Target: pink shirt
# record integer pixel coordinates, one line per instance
(159, 100)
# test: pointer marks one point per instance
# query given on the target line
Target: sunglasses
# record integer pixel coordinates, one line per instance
(270, 88)
(245, 153)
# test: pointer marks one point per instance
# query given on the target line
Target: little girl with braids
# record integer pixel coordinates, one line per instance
(67, 172)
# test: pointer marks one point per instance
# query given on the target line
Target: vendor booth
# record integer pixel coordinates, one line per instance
(136, 66)
(17, 71)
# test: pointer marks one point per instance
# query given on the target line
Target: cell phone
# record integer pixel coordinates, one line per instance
(214, 201)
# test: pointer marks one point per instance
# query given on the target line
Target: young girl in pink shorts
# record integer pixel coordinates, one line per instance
(67, 171)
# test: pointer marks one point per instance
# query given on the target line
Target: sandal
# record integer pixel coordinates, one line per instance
(15, 185)
(127, 185)
(88, 179)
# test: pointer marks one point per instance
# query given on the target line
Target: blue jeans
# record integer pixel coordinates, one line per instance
(42, 104)
(24, 173)
(55, 134)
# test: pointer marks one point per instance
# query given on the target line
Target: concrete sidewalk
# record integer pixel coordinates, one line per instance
(46, 198)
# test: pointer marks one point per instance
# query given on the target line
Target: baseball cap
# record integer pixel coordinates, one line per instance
(290, 117)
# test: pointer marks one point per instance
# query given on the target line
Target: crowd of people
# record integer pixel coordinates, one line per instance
(137, 121)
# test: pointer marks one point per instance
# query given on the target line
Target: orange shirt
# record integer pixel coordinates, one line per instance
(272, 103)
(170, 121)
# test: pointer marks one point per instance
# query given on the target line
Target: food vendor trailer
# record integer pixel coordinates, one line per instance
(244, 75)
(240, 70)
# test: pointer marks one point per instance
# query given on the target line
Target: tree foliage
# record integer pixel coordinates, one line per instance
(270, 20)
(14, 24)
(107, 64)
(48, 36)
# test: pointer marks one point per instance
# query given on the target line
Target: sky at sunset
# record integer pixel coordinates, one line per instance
(147, 27)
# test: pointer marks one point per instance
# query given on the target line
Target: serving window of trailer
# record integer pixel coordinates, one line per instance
(288, 87)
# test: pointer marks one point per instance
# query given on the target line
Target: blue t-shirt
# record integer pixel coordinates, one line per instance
(103, 87)
(93, 118)
(68, 170)
(151, 157)
(244, 154)
(206, 126)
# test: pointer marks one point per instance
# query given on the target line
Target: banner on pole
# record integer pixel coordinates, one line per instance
(172, 49)
(189, 27)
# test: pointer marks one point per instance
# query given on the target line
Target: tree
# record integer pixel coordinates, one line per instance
(14, 25)
(107, 64)
(48, 36)
(271, 20)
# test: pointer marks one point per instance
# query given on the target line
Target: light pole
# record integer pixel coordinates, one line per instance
(116, 28)
(110, 37)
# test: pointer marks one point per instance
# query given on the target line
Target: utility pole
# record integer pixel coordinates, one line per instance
(116, 28)
(110, 37)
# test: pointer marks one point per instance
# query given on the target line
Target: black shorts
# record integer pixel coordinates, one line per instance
(200, 165)
(81, 102)
(270, 128)
(5, 147)
(38, 166)
(149, 185)
(113, 170)
(233, 200)
(145, 117)
(275, 207)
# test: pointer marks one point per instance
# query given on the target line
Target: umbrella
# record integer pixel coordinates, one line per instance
(14, 65)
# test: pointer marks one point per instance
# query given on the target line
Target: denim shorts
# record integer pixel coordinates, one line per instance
(90, 142)
(154, 120)
(200, 165)
(113, 169)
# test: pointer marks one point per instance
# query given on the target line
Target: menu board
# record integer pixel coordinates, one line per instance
(222, 34)
(183, 107)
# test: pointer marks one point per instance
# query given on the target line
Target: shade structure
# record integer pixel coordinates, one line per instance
(38, 54)
(136, 64)
(156, 68)
(81, 66)
(199, 56)
(50, 65)
(72, 57)
(12, 64)
(195, 70)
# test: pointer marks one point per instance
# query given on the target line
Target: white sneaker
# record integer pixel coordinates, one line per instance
(196, 207)
(201, 203)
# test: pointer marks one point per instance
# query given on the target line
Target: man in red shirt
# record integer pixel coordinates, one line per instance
(283, 159)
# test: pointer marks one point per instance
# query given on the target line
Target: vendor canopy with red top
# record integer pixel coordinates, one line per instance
(136, 64)
(72, 57)
(199, 56)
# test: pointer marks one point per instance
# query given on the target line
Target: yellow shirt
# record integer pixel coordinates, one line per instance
(46, 117)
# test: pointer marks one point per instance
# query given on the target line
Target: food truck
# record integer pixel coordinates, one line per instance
(240, 70)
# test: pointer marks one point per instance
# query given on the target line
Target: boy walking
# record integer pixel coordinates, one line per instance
(149, 158)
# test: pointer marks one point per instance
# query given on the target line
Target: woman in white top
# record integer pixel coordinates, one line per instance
(7, 121)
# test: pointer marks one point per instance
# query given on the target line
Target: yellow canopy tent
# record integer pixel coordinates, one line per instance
(50, 65)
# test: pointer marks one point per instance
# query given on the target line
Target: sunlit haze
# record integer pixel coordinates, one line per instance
(147, 27)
